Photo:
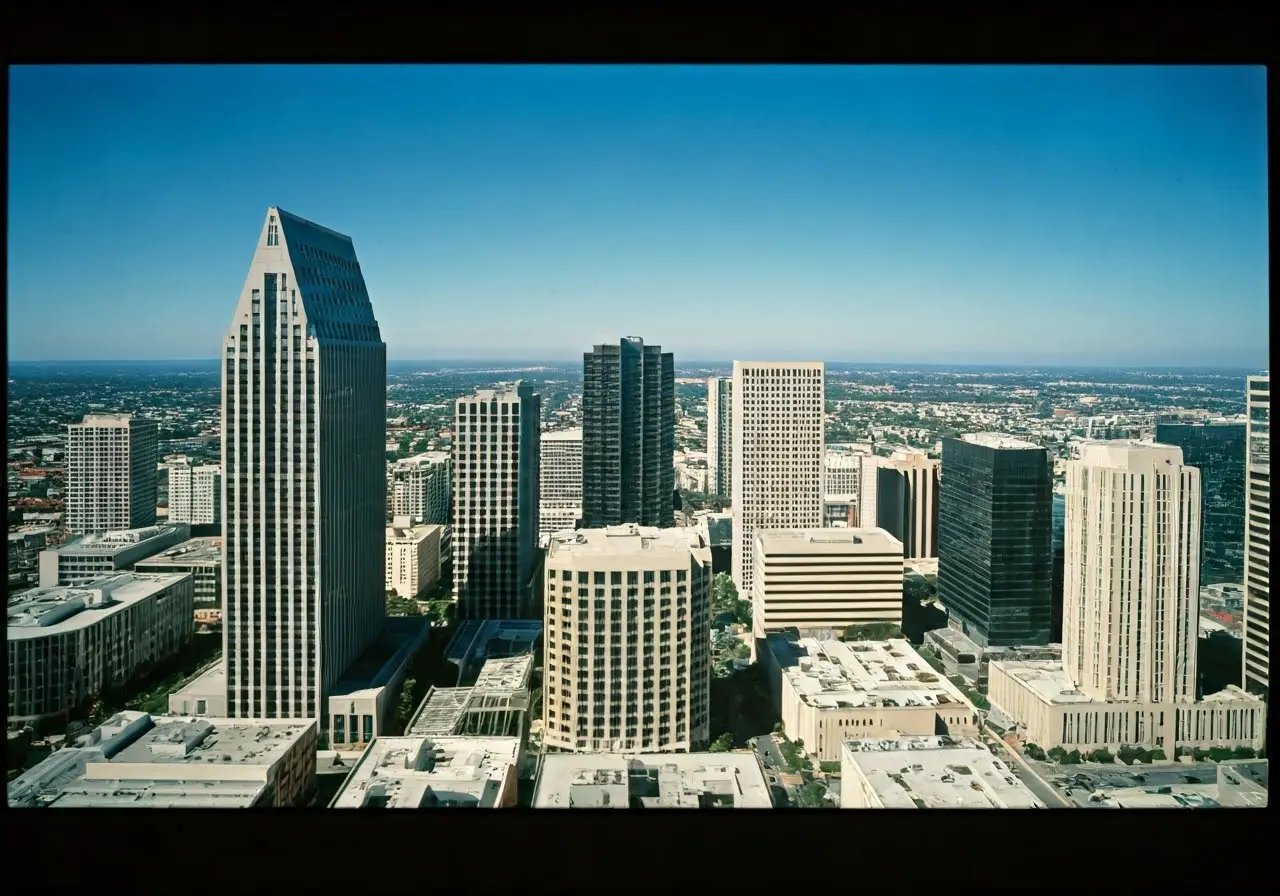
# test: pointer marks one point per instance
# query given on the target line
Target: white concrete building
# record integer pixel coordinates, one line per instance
(89, 558)
(111, 473)
(778, 437)
(825, 579)
(422, 487)
(495, 500)
(720, 436)
(627, 640)
(195, 493)
(1257, 539)
(1131, 592)
(304, 398)
(828, 691)
(928, 773)
(413, 557)
(652, 781)
(434, 773)
(560, 480)
(66, 644)
(138, 761)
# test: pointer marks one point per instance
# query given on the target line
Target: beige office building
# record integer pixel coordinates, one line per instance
(413, 557)
(825, 579)
(560, 480)
(111, 473)
(720, 436)
(778, 446)
(1257, 540)
(627, 640)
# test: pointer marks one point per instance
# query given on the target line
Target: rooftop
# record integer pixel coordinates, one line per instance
(1049, 681)
(510, 673)
(997, 440)
(440, 713)
(563, 435)
(390, 651)
(412, 533)
(832, 674)
(937, 773)
(1128, 454)
(651, 781)
(193, 552)
(426, 459)
(623, 540)
(111, 543)
(828, 541)
(65, 608)
(429, 772)
(105, 420)
(479, 639)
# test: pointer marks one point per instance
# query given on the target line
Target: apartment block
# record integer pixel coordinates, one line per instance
(413, 557)
(422, 488)
(720, 436)
(560, 480)
(1257, 583)
(195, 493)
(111, 473)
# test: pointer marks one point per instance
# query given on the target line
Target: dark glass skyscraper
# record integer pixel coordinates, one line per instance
(995, 539)
(628, 435)
(1218, 451)
(1059, 565)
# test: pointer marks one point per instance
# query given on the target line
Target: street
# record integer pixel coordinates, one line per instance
(1042, 790)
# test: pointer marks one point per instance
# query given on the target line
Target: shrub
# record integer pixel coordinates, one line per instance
(1034, 752)
(1102, 754)
(1072, 758)
(1058, 754)
(1157, 756)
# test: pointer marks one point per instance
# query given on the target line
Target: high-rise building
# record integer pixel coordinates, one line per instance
(1217, 449)
(413, 557)
(1059, 510)
(628, 435)
(1131, 610)
(1257, 575)
(422, 488)
(907, 503)
(195, 493)
(560, 480)
(304, 399)
(495, 501)
(111, 473)
(720, 436)
(631, 662)
(778, 446)
(995, 539)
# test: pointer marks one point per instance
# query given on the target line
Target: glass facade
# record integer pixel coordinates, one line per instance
(1059, 565)
(1217, 450)
(995, 544)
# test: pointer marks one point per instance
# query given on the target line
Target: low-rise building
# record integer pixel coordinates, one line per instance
(434, 773)
(495, 705)
(932, 772)
(94, 556)
(139, 761)
(1051, 711)
(202, 557)
(651, 781)
(828, 691)
(413, 557)
(25, 547)
(361, 705)
(204, 696)
(67, 644)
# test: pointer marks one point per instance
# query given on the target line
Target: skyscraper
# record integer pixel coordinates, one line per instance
(303, 440)
(1217, 450)
(778, 447)
(1257, 576)
(1131, 610)
(111, 473)
(560, 480)
(628, 435)
(907, 503)
(422, 488)
(195, 493)
(720, 436)
(995, 539)
(495, 501)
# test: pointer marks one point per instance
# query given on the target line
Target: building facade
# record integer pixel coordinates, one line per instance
(202, 557)
(88, 558)
(778, 447)
(422, 488)
(1131, 594)
(111, 473)
(627, 641)
(1257, 583)
(304, 397)
(413, 557)
(560, 480)
(995, 539)
(906, 503)
(628, 435)
(495, 501)
(195, 493)
(720, 436)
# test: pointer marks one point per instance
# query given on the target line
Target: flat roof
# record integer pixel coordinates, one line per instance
(104, 420)
(506, 673)
(937, 773)
(391, 650)
(624, 540)
(210, 683)
(156, 794)
(425, 459)
(65, 608)
(427, 772)
(440, 712)
(473, 638)
(651, 781)
(563, 435)
(1048, 680)
(834, 675)
(414, 534)
(1128, 454)
(108, 544)
(828, 541)
(192, 552)
(998, 440)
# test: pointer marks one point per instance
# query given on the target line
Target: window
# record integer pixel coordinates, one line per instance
(202, 707)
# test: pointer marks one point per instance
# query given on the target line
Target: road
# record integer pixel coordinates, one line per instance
(1043, 791)
(774, 765)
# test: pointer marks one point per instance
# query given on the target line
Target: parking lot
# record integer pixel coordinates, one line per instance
(1083, 784)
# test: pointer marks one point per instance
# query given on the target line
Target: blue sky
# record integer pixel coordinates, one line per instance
(974, 214)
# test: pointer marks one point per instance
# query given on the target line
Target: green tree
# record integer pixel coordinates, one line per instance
(812, 796)
(872, 631)
(404, 709)
(1057, 754)
(1072, 758)
(1102, 754)
(402, 606)
(831, 768)
(722, 744)
(1243, 753)
(1034, 752)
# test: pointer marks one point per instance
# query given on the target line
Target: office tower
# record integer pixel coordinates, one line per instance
(720, 436)
(628, 640)
(1217, 449)
(111, 473)
(304, 399)
(422, 488)
(1131, 611)
(495, 501)
(413, 557)
(907, 503)
(778, 447)
(560, 480)
(628, 435)
(825, 579)
(1257, 574)
(195, 493)
(1059, 509)
(995, 539)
